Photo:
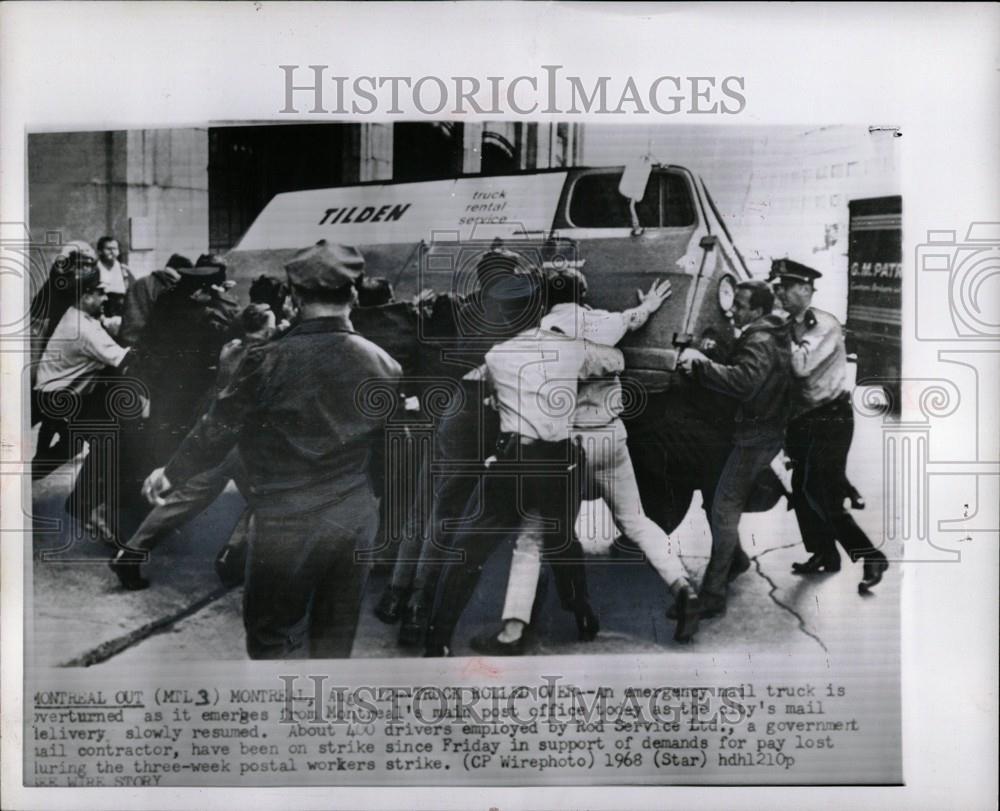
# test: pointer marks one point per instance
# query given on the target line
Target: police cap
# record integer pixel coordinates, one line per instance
(208, 270)
(325, 266)
(787, 269)
(178, 262)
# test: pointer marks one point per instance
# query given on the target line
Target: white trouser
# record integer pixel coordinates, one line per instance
(609, 476)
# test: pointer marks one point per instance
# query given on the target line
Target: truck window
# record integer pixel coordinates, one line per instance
(596, 203)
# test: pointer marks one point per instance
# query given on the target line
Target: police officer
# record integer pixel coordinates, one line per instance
(305, 437)
(820, 432)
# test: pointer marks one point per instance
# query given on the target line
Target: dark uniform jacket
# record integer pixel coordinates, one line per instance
(300, 412)
(138, 305)
(757, 376)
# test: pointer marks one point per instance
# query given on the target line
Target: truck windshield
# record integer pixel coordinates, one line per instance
(595, 202)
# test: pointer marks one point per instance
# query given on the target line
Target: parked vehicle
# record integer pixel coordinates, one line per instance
(874, 293)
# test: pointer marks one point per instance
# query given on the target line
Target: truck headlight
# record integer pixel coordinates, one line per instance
(727, 293)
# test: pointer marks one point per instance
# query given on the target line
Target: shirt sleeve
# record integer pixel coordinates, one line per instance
(743, 376)
(218, 429)
(814, 347)
(601, 360)
(100, 346)
(605, 327)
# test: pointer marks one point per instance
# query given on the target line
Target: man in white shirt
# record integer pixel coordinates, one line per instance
(608, 473)
(534, 480)
(78, 350)
(70, 376)
(116, 277)
(820, 432)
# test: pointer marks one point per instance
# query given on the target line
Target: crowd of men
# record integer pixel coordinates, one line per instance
(198, 392)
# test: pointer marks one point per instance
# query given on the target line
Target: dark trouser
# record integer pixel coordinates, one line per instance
(55, 410)
(103, 422)
(451, 473)
(186, 501)
(538, 481)
(304, 584)
(818, 443)
(421, 555)
(749, 456)
(48, 456)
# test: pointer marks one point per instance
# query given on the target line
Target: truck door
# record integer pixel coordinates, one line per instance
(618, 260)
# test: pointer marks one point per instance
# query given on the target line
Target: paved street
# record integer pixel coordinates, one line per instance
(82, 615)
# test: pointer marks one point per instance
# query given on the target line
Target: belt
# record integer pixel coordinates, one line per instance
(517, 439)
(507, 440)
(841, 400)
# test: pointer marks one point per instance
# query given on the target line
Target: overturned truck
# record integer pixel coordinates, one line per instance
(623, 227)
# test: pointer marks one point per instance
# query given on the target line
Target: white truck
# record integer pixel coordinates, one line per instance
(622, 227)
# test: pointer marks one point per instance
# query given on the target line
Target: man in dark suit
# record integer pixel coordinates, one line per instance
(757, 377)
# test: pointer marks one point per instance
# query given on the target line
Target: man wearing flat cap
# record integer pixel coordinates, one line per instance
(293, 408)
(820, 431)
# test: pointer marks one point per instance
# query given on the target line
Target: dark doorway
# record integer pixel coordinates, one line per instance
(426, 151)
(499, 155)
(247, 166)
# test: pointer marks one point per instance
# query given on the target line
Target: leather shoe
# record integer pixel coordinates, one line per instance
(390, 606)
(489, 644)
(587, 625)
(126, 568)
(414, 625)
(437, 652)
(230, 566)
(875, 566)
(828, 562)
(688, 612)
(709, 607)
